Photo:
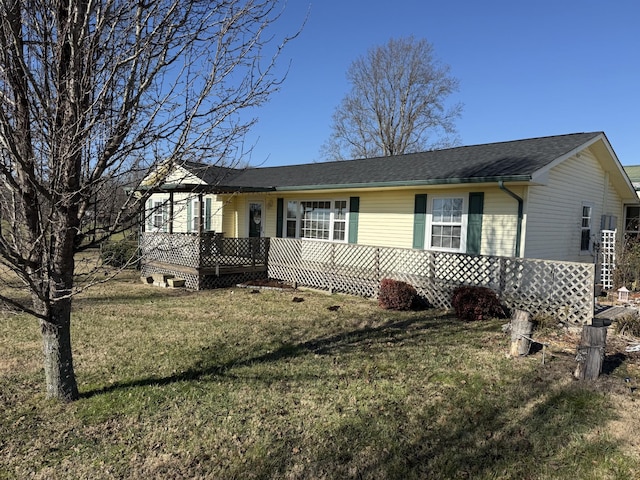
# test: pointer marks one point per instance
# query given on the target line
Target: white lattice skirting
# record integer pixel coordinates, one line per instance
(562, 289)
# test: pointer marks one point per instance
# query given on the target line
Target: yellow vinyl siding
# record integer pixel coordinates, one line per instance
(554, 210)
(500, 221)
(230, 216)
(268, 214)
(180, 200)
(180, 212)
(180, 175)
(386, 216)
(217, 209)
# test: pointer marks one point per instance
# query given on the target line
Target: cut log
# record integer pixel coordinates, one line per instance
(590, 355)
(521, 329)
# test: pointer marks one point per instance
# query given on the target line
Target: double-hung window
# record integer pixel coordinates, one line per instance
(447, 229)
(195, 215)
(158, 216)
(339, 220)
(292, 220)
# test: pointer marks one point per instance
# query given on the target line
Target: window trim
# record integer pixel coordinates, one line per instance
(287, 219)
(196, 218)
(635, 233)
(158, 209)
(463, 223)
(589, 250)
(332, 218)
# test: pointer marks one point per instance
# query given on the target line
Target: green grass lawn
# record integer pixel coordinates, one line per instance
(235, 384)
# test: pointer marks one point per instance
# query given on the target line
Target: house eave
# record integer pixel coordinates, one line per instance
(411, 183)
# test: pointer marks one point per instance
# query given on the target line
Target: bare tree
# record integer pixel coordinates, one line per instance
(397, 104)
(93, 90)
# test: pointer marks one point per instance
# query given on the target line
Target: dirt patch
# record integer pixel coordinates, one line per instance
(268, 283)
(618, 363)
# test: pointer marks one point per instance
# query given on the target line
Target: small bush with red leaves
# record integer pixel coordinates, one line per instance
(476, 303)
(396, 295)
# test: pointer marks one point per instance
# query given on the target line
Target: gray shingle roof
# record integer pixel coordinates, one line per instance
(210, 174)
(503, 160)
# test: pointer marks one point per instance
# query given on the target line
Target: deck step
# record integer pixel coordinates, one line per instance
(175, 282)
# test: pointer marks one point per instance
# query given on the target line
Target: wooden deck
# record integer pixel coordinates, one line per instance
(204, 260)
(604, 315)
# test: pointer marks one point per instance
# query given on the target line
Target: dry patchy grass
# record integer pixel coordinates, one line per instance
(231, 384)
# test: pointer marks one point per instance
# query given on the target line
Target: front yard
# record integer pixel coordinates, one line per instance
(237, 384)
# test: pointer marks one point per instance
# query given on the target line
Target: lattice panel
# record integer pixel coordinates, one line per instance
(177, 249)
(203, 282)
(459, 269)
(608, 252)
(405, 262)
(230, 280)
(564, 289)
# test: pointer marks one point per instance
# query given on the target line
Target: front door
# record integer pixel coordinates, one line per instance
(255, 219)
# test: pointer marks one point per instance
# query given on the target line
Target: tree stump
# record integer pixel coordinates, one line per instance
(590, 355)
(521, 328)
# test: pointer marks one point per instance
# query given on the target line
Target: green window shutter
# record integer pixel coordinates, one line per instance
(279, 217)
(207, 214)
(354, 214)
(419, 220)
(474, 222)
(189, 216)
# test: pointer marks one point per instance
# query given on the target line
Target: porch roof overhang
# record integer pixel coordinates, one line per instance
(215, 189)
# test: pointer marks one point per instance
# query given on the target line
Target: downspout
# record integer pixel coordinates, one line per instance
(520, 211)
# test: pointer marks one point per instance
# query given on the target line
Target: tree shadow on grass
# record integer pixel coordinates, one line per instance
(388, 333)
(535, 426)
(523, 433)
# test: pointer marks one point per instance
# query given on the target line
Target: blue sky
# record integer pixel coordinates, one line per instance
(526, 69)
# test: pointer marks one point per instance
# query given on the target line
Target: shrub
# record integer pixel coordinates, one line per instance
(628, 324)
(119, 254)
(476, 303)
(396, 295)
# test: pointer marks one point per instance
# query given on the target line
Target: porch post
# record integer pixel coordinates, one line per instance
(171, 211)
(201, 215)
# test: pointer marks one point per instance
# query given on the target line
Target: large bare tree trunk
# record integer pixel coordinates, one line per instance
(58, 359)
(94, 93)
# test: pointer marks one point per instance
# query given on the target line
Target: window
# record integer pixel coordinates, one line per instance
(447, 229)
(339, 220)
(292, 220)
(585, 229)
(317, 219)
(632, 223)
(195, 216)
(158, 216)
